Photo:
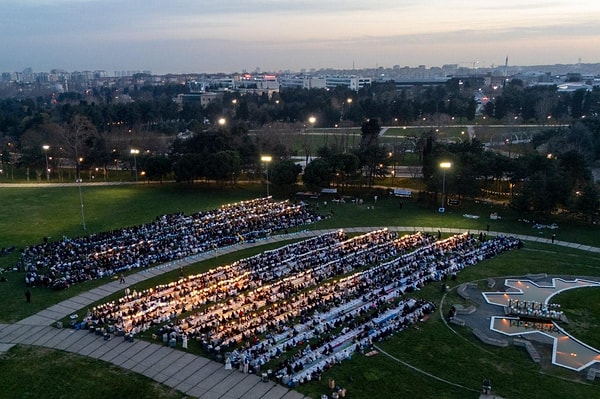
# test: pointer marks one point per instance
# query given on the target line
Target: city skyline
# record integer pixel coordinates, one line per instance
(200, 36)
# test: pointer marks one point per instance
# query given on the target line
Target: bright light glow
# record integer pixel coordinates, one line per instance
(266, 158)
(46, 147)
(312, 120)
(445, 165)
(222, 121)
(134, 151)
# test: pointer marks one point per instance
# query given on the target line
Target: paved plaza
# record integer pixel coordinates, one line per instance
(567, 351)
(194, 375)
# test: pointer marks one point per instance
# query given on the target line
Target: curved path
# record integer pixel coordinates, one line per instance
(194, 375)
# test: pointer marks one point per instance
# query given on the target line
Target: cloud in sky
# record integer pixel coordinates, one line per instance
(209, 36)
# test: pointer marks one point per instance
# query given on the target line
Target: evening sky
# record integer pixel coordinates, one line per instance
(181, 36)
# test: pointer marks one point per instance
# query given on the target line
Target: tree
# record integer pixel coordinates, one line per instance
(284, 174)
(575, 166)
(75, 138)
(369, 152)
(97, 154)
(316, 175)
(370, 130)
(344, 167)
(188, 167)
(544, 189)
(33, 158)
(588, 200)
(222, 166)
(156, 167)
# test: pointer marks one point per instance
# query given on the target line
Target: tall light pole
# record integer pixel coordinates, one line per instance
(81, 203)
(444, 166)
(78, 180)
(346, 103)
(134, 152)
(46, 147)
(267, 159)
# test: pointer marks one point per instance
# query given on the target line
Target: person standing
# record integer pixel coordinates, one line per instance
(122, 279)
(487, 387)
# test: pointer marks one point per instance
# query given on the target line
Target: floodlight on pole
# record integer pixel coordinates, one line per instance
(135, 152)
(46, 147)
(267, 159)
(444, 166)
(78, 181)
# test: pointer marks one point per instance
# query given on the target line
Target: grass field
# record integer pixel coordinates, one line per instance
(34, 372)
(28, 214)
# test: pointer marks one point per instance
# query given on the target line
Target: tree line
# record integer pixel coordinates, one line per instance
(99, 128)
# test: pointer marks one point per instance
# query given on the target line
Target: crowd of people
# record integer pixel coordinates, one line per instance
(62, 263)
(534, 310)
(301, 308)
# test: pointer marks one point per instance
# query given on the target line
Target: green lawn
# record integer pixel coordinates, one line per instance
(28, 214)
(35, 372)
(582, 308)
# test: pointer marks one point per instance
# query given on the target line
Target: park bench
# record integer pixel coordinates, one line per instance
(592, 373)
(462, 292)
(489, 340)
(462, 310)
(535, 277)
(457, 321)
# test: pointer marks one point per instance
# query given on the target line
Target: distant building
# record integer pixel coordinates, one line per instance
(406, 83)
(352, 82)
(301, 82)
(573, 86)
(247, 81)
(202, 99)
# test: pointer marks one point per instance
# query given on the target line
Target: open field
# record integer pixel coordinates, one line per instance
(29, 214)
(35, 372)
(457, 357)
(582, 308)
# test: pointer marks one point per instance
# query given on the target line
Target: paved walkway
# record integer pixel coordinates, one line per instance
(194, 375)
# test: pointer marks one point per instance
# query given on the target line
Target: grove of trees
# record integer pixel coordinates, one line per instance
(98, 129)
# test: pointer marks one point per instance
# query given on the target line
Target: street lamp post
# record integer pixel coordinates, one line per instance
(267, 159)
(81, 203)
(46, 147)
(346, 103)
(444, 166)
(134, 152)
(78, 180)
(307, 146)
